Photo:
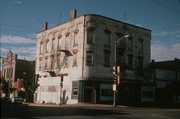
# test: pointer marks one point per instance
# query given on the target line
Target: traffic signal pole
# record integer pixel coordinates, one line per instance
(116, 69)
(61, 85)
(115, 72)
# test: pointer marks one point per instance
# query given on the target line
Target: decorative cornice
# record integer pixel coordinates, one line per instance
(47, 40)
(67, 34)
(40, 59)
(46, 57)
(76, 31)
(59, 36)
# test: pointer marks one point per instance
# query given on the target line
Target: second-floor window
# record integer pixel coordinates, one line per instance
(46, 64)
(130, 61)
(74, 59)
(89, 58)
(52, 62)
(140, 63)
(106, 59)
(119, 59)
(58, 61)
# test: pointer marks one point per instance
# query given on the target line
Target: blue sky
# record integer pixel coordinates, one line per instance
(20, 20)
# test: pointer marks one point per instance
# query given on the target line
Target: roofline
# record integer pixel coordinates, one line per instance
(116, 20)
(98, 16)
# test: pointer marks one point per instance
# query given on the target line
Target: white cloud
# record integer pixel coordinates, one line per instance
(178, 36)
(27, 53)
(166, 33)
(162, 33)
(16, 40)
(161, 51)
(18, 2)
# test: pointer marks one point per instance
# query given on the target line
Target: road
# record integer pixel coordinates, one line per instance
(23, 111)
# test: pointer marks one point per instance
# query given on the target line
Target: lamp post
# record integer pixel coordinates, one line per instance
(116, 69)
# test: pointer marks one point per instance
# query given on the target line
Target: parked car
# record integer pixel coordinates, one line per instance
(17, 100)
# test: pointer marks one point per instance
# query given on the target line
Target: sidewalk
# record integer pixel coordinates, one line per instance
(75, 105)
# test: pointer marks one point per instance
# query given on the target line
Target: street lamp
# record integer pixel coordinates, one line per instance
(116, 69)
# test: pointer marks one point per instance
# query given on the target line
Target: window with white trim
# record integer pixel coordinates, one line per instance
(89, 58)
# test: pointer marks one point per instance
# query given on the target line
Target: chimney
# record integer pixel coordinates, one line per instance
(73, 14)
(44, 26)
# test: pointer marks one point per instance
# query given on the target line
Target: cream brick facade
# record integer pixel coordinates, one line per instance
(89, 42)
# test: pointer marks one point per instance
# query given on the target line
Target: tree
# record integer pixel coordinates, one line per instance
(5, 86)
(30, 88)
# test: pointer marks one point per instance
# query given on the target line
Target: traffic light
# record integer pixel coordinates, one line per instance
(118, 70)
(115, 79)
(114, 71)
(62, 77)
(118, 80)
(61, 84)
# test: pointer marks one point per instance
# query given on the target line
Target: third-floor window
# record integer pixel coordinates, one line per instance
(107, 37)
(130, 61)
(106, 59)
(53, 44)
(130, 44)
(141, 47)
(90, 36)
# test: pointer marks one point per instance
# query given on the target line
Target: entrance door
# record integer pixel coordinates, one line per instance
(88, 95)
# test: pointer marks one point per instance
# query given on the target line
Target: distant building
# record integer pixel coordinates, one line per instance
(166, 78)
(17, 71)
(83, 50)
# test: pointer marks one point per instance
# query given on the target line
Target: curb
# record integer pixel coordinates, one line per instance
(75, 105)
(43, 105)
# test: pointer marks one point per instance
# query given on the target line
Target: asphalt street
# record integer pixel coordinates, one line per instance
(85, 111)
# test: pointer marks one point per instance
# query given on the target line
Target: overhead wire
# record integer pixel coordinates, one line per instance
(32, 13)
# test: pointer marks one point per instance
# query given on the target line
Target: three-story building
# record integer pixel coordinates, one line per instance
(82, 51)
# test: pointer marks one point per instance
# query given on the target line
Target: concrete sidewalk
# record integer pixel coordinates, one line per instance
(75, 105)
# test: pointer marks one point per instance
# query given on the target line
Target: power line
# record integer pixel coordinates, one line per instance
(166, 6)
(36, 16)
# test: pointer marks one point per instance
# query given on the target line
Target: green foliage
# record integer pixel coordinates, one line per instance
(30, 87)
(6, 86)
(33, 84)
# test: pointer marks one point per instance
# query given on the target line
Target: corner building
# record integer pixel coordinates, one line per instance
(82, 50)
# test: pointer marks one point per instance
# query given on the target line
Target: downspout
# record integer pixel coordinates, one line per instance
(83, 48)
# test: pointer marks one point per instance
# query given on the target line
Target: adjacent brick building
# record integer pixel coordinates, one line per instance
(17, 71)
(166, 79)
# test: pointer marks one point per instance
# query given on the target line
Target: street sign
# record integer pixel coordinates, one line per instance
(114, 87)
